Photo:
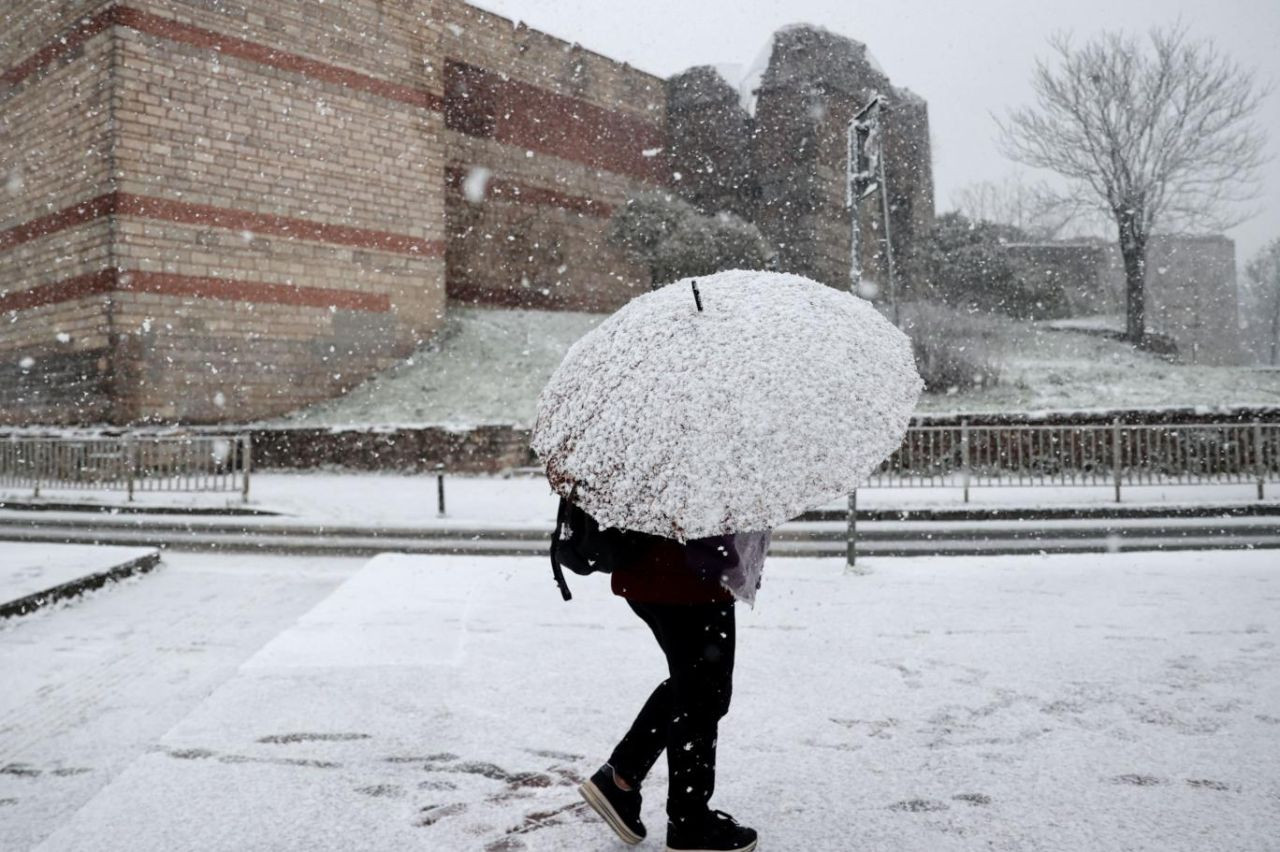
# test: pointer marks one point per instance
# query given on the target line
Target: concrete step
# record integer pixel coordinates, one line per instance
(799, 539)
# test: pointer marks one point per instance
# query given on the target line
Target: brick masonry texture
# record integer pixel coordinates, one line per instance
(221, 211)
(564, 135)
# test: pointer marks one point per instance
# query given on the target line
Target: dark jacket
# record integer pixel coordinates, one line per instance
(662, 570)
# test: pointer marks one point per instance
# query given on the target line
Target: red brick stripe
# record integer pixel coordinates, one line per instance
(156, 25)
(68, 217)
(83, 30)
(169, 210)
(518, 192)
(191, 286)
(205, 287)
(66, 290)
(482, 103)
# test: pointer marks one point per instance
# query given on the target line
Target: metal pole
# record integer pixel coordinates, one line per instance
(964, 457)
(246, 465)
(129, 465)
(1115, 454)
(851, 536)
(1259, 463)
(888, 246)
(852, 190)
(440, 490)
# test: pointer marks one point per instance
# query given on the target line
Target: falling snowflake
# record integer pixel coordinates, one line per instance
(476, 184)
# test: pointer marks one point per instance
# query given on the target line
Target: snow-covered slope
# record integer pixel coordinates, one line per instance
(489, 365)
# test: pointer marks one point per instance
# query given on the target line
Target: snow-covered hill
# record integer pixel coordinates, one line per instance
(488, 366)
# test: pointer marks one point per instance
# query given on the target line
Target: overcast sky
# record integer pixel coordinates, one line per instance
(968, 59)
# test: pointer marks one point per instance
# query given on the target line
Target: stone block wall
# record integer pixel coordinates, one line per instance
(55, 243)
(815, 83)
(1190, 291)
(1191, 296)
(710, 140)
(1078, 270)
(269, 196)
(544, 139)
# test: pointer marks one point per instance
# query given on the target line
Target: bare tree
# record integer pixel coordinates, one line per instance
(1161, 136)
(1263, 275)
(1033, 208)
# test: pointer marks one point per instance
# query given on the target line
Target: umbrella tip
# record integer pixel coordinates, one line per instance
(696, 298)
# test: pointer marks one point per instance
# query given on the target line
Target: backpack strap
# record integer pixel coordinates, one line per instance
(556, 571)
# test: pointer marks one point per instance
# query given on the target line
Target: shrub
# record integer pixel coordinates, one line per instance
(951, 349)
(966, 265)
(670, 238)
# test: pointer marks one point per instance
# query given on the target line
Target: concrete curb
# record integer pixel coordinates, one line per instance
(102, 508)
(971, 539)
(78, 586)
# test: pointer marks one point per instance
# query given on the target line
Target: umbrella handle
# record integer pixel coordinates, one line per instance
(696, 298)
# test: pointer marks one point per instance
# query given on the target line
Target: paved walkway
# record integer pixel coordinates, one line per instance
(90, 684)
(447, 703)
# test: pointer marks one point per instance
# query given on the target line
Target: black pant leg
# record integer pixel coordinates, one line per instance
(638, 750)
(699, 641)
(683, 713)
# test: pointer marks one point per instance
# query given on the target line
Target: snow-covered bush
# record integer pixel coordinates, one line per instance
(674, 240)
(952, 350)
(966, 265)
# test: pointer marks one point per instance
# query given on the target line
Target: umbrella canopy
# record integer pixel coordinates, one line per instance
(778, 395)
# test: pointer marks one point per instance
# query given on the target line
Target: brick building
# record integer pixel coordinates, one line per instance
(218, 210)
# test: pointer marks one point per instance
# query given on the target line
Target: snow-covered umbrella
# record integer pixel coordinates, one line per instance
(723, 405)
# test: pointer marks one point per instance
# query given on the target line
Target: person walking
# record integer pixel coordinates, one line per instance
(676, 590)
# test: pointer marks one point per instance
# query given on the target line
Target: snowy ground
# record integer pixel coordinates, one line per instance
(489, 366)
(29, 568)
(1111, 702)
(383, 499)
(91, 683)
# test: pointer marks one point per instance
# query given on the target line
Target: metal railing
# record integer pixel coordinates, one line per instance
(1111, 455)
(130, 463)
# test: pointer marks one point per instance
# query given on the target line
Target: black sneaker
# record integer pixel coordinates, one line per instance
(716, 832)
(618, 807)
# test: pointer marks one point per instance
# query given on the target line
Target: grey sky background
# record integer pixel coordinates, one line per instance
(967, 59)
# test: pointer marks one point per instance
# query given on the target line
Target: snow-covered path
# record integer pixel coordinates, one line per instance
(1125, 701)
(89, 684)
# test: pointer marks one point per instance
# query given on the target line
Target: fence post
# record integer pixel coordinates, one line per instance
(1259, 462)
(129, 463)
(440, 489)
(851, 535)
(35, 463)
(1115, 454)
(246, 465)
(964, 456)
